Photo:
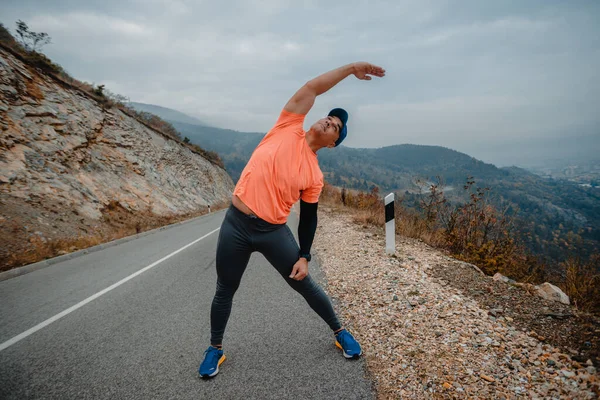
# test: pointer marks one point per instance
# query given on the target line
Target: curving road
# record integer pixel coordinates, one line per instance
(101, 333)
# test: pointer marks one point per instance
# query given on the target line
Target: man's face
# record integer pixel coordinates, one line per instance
(327, 130)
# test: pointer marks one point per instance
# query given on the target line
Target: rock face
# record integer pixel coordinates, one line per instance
(62, 152)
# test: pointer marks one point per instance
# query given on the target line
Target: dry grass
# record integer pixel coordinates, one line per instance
(117, 223)
(370, 217)
(40, 249)
(582, 283)
(410, 224)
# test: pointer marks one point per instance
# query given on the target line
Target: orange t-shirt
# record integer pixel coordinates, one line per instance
(282, 169)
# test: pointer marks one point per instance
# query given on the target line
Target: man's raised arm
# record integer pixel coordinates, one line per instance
(303, 100)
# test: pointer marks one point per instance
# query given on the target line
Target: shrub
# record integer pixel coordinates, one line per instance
(8, 40)
(154, 121)
(582, 283)
(209, 155)
(99, 91)
(43, 63)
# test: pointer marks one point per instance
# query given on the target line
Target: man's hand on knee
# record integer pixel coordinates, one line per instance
(300, 270)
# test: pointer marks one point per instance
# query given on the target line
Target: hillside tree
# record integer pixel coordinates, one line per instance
(31, 41)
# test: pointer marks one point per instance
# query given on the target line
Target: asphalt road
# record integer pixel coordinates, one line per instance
(145, 338)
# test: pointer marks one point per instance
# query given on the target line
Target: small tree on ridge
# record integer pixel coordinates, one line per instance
(31, 41)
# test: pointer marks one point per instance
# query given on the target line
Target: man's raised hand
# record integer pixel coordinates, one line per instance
(362, 70)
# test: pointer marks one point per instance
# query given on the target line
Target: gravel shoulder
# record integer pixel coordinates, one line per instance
(434, 327)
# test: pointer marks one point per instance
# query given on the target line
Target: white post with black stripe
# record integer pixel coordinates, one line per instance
(390, 225)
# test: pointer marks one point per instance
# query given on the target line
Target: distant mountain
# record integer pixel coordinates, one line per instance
(167, 114)
(394, 168)
(390, 168)
(569, 148)
(556, 218)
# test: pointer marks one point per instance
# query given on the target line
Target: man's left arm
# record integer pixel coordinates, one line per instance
(307, 226)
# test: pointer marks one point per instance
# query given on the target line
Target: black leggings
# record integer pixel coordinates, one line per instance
(241, 235)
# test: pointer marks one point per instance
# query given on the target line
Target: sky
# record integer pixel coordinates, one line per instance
(492, 79)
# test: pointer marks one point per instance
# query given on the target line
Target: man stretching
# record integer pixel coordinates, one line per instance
(282, 170)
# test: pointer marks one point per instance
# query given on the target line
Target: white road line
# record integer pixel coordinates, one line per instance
(69, 310)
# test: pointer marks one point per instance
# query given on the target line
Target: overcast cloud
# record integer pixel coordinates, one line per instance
(470, 75)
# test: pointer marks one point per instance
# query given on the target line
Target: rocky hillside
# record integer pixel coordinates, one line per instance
(65, 161)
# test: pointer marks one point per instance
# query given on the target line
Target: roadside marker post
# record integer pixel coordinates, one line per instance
(390, 225)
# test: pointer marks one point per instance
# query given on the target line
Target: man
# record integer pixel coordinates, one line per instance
(282, 170)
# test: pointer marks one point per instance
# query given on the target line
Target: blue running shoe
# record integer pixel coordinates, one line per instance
(349, 345)
(210, 366)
